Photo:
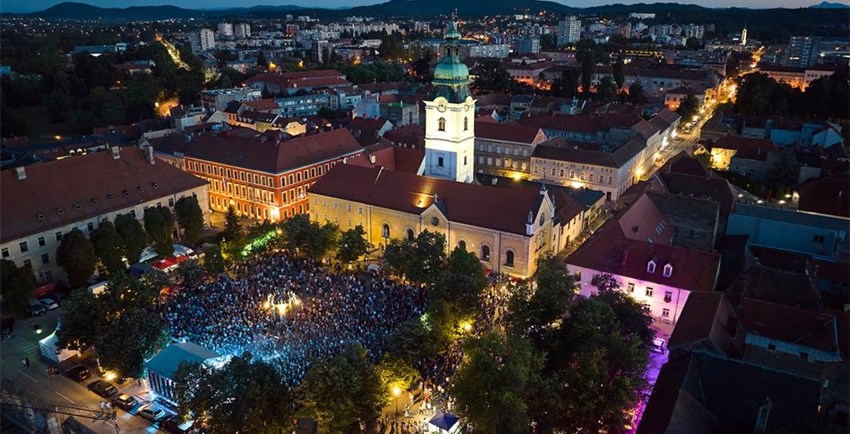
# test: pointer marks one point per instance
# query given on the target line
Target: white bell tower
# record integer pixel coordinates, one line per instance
(450, 118)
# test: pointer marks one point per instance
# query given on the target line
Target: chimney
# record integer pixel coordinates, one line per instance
(149, 155)
(116, 152)
(21, 172)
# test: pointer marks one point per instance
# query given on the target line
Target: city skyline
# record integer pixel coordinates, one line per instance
(26, 6)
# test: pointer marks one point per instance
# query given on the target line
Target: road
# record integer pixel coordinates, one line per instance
(58, 390)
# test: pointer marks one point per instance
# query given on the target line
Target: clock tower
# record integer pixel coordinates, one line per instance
(450, 117)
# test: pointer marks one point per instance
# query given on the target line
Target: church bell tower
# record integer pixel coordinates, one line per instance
(450, 117)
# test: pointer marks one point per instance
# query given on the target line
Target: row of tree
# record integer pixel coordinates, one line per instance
(824, 98)
(116, 244)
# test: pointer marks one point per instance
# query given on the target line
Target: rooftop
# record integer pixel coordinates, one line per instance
(790, 324)
(166, 362)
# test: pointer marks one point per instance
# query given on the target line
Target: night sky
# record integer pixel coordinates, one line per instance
(35, 5)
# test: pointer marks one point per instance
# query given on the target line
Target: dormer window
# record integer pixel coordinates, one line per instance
(650, 266)
(668, 270)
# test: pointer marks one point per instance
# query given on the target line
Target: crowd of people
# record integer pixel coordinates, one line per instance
(291, 312)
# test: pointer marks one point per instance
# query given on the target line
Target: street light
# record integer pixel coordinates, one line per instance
(396, 393)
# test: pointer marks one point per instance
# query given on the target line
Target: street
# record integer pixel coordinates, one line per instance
(61, 391)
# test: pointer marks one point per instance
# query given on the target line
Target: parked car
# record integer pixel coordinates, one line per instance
(147, 254)
(180, 250)
(78, 373)
(151, 412)
(658, 345)
(125, 402)
(59, 297)
(103, 388)
(49, 303)
(36, 308)
(175, 425)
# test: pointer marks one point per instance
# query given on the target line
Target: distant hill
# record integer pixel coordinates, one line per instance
(464, 8)
(83, 11)
(830, 5)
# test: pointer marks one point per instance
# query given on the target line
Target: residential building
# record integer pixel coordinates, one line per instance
(528, 45)
(97, 50)
(659, 276)
(508, 229)
(400, 113)
(829, 196)
(819, 236)
(673, 98)
(242, 30)
(321, 49)
(505, 149)
(219, 98)
(225, 30)
(569, 30)
(369, 131)
(728, 148)
(450, 117)
(80, 192)
(202, 40)
(495, 51)
(656, 82)
(263, 176)
(295, 82)
(801, 52)
(162, 367)
(528, 73)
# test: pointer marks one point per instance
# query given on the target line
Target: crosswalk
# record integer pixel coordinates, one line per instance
(27, 346)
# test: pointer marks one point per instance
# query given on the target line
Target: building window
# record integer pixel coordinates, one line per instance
(631, 288)
(464, 160)
(440, 161)
(24, 247)
(4, 252)
(485, 253)
(410, 235)
(665, 312)
(45, 258)
(462, 245)
(59, 234)
(441, 124)
(509, 258)
(668, 270)
(771, 347)
(385, 230)
(465, 124)
(818, 239)
(668, 296)
(41, 242)
(27, 263)
(804, 356)
(650, 267)
(649, 292)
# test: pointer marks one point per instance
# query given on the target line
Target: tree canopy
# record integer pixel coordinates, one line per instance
(16, 285)
(159, 224)
(190, 218)
(77, 257)
(109, 247)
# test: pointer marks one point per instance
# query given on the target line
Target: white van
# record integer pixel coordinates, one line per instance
(184, 251)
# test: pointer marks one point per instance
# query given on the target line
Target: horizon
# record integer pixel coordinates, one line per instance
(29, 6)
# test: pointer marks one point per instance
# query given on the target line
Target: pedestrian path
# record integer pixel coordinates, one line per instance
(27, 346)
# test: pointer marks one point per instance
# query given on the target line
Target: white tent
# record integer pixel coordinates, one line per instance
(51, 352)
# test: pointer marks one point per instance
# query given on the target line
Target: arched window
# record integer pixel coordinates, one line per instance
(441, 124)
(465, 124)
(650, 267)
(485, 253)
(410, 235)
(668, 270)
(385, 230)
(509, 258)
(462, 245)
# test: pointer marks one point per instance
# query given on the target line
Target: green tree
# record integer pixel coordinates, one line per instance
(600, 368)
(785, 173)
(109, 247)
(322, 239)
(262, 62)
(159, 225)
(16, 285)
(494, 77)
(339, 392)
(495, 383)
(326, 113)
(396, 374)
(352, 245)
(83, 320)
(413, 340)
(619, 72)
(462, 282)
(605, 282)
(245, 395)
(134, 337)
(14, 123)
(606, 90)
(535, 310)
(567, 84)
(636, 94)
(58, 105)
(586, 54)
(190, 218)
(689, 107)
(77, 257)
(390, 48)
(190, 274)
(132, 234)
(213, 261)
(232, 227)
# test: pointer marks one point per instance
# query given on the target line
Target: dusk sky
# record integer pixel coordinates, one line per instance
(35, 5)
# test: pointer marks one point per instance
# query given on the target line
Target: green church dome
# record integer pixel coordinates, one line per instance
(451, 76)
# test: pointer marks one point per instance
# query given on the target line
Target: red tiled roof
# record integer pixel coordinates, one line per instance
(291, 80)
(697, 318)
(486, 207)
(685, 164)
(96, 183)
(245, 148)
(408, 135)
(557, 121)
(829, 196)
(752, 149)
(508, 132)
(364, 123)
(610, 251)
(790, 324)
(260, 105)
(390, 157)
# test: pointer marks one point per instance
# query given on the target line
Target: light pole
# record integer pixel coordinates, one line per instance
(396, 393)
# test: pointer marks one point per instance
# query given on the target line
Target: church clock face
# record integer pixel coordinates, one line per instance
(441, 106)
(466, 107)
